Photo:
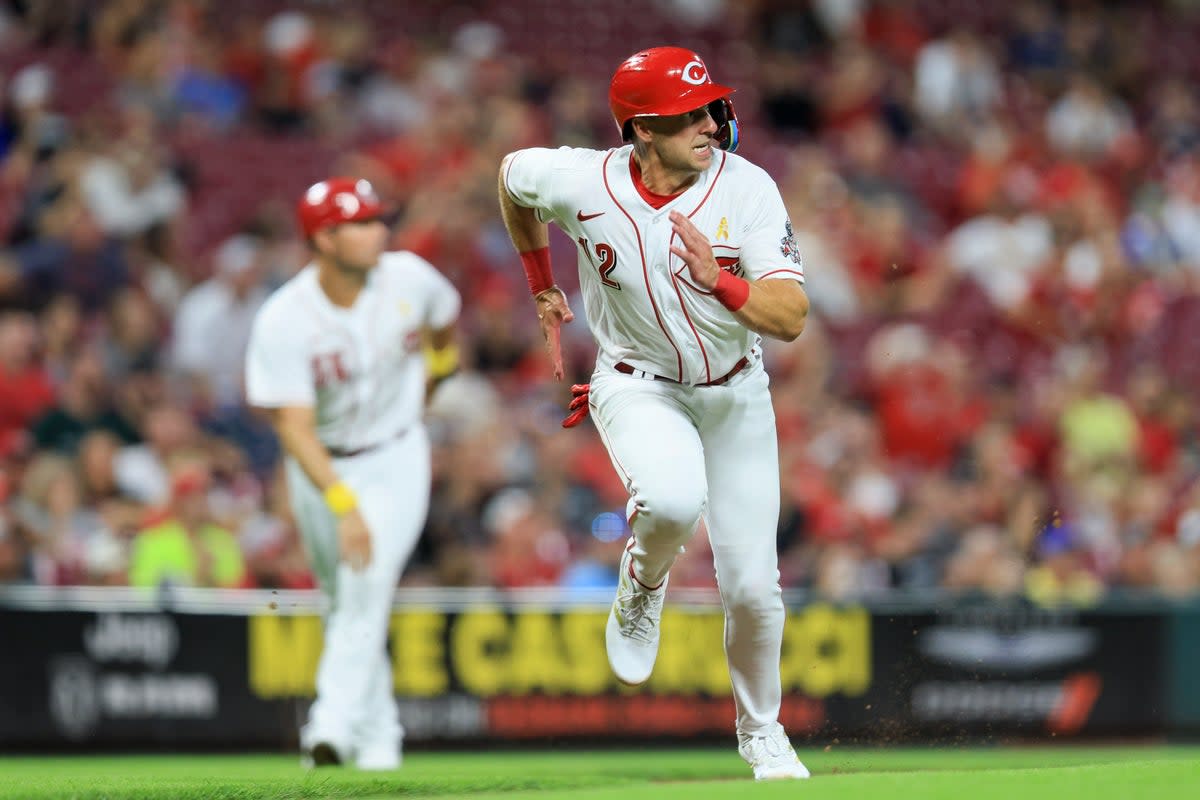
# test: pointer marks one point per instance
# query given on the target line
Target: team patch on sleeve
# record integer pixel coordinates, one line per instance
(787, 245)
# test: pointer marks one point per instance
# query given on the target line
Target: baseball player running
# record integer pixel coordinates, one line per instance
(339, 356)
(686, 257)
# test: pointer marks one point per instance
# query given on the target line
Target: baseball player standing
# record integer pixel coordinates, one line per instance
(339, 355)
(686, 257)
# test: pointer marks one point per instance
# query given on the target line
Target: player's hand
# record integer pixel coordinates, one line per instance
(553, 311)
(579, 405)
(695, 251)
(354, 541)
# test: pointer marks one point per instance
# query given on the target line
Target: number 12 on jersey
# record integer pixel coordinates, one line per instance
(608, 261)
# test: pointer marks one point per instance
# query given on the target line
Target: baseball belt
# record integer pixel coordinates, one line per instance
(626, 369)
(337, 452)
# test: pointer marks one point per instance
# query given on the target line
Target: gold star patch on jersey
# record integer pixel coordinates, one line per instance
(404, 308)
(722, 230)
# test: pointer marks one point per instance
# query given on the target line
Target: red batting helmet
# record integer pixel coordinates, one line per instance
(337, 200)
(664, 81)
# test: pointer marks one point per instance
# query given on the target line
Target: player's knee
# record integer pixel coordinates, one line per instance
(672, 512)
(753, 596)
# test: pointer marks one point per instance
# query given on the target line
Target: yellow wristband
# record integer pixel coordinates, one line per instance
(341, 499)
(441, 363)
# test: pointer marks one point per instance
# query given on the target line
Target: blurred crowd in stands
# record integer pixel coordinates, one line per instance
(998, 206)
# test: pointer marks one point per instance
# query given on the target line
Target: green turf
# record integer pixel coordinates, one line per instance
(1048, 773)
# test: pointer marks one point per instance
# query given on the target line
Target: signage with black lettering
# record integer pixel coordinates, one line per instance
(486, 671)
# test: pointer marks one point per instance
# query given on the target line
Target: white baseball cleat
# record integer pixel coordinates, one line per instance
(771, 755)
(378, 758)
(631, 636)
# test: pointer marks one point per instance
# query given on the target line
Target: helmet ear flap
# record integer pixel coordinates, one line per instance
(722, 113)
(729, 139)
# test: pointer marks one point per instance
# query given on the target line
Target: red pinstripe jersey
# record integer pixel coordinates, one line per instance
(640, 304)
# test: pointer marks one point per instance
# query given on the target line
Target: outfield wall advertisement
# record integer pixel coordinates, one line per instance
(495, 672)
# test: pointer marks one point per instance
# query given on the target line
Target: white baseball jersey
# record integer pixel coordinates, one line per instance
(362, 368)
(640, 302)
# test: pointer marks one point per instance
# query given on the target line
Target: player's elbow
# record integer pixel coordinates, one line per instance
(793, 322)
(792, 332)
(789, 331)
(785, 330)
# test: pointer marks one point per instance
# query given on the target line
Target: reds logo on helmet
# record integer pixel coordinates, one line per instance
(664, 81)
(337, 200)
(695, 73)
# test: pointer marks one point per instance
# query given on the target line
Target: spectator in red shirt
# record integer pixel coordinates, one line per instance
(25, 388)
(923, 405)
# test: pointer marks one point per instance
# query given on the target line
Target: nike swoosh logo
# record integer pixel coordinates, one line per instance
(582, 217)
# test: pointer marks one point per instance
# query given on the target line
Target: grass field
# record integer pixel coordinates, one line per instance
(1053, 773)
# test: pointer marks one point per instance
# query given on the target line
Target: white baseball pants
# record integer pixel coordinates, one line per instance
(686, 451)
(355, 707)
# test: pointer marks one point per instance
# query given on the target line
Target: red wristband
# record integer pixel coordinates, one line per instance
(537, 269)
(732, 291)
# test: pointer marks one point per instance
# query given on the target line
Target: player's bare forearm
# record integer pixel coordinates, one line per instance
(526, 231)
(296, 427)
(776, 308)
(531, 238)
